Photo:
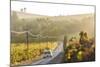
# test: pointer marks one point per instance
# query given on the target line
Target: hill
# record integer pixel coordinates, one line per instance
(52, 25)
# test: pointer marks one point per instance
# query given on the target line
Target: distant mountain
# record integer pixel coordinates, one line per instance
(30, 15)
(53, 25)
(26, 15)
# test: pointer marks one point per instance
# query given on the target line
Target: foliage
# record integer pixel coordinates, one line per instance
(20, 54)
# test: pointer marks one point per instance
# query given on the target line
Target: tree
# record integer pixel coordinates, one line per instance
(24, 9)
(64, 48)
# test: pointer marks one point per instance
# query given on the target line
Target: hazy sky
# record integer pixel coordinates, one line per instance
(51, 9)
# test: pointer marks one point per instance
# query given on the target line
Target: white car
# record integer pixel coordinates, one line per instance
(47, 53)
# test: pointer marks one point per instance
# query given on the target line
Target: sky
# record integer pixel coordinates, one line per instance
(51, 9)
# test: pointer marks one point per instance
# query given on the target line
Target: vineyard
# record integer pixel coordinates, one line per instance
(80, 50)
(31, 36)
(20, 54)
